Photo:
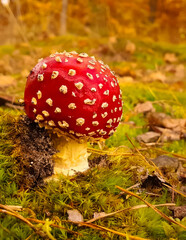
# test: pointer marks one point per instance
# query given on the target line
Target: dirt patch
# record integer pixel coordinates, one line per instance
(36, 150)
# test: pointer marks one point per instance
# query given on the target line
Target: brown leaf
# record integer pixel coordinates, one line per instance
(148, 137)
(130, 47)
(156, 76)
(75, 216)
(170, 58)
(144, 107)
(7, 81)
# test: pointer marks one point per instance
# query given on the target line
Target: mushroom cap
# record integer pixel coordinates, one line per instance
(74, 94)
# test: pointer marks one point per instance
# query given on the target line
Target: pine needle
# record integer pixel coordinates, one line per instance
(128, 209)
(153, 207)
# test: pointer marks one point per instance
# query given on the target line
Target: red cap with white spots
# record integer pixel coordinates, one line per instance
(74, 93)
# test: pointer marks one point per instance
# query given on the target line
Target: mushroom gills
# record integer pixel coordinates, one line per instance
(71, 157)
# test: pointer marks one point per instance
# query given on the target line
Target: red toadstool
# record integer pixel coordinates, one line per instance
(79, 99)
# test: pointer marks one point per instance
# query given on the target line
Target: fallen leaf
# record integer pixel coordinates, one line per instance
(156, 76)
(163, 120)
(130, 47)
(180, 71)
(7, 81)
(127, 79)
(148, 137)
(75, 216)
(168, 134)
(144, 107)
(170, 58)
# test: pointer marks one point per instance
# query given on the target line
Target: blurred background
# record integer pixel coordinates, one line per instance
(141, 40)
(36, 20)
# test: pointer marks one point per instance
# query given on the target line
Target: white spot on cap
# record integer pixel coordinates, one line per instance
(68, 54)
(95, 123)
(114, 98)
(40, 77)
(45, 113)
(102, 132)
(90, 67)
(91, 133)
(83, 55)
(97, 75)
(104, 105)
(120, 108)
(63, 124)
(34, 101)
(119, 119)
(49, 102)
(106, 92)
(79, 60)
(112, 84)
(71, 132)
(51, 123)
(57, 110)
(102, 66)
(39, 94)
(94, 115)
(63, 89)
(79, 85)
(89, 101)
(109, 121)
(39, 60)
(34, 110)
(100, 61)
(115, 109)
(66, 60)
(58, 59)
(39, 117)
(72, 106)
(44, 65)
(104, 114)
(54, 74)
(87, 129)
(80, 121)
(100, 86)
(105, 79)
(111, 132)
(93, 89)
(92, 62)
(72, 72)
(89, 76)
(73, 94)
(114, 120)
(79, 135)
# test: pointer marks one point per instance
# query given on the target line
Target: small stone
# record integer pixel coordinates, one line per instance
(148, 137)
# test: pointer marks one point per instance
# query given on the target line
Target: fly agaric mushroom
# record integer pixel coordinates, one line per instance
(78, 99)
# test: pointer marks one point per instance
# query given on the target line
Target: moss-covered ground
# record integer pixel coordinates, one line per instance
(125, 165)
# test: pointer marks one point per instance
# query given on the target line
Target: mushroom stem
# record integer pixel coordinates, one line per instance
(71, 156)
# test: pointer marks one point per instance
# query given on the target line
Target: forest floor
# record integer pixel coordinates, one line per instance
(135, 187)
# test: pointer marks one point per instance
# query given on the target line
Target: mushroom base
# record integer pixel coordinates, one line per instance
(71, 156)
